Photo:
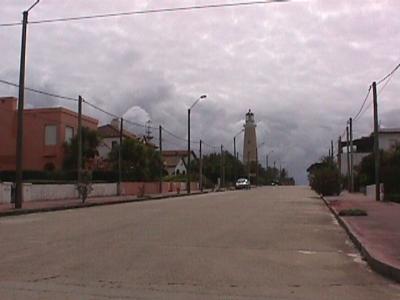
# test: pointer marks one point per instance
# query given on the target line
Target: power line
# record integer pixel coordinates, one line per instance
(142, 12)
(100, 109)
(362, 106)
(388, 75)
(39, 91)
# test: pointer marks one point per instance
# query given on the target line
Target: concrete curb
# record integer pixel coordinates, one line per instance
(25, 211)
(377, 265)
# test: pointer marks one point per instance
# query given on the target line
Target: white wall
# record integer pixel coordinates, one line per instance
(370, 191)
(181, 167)
(387, 140)
(5, 192)
(357, 158)
(105, 146)
(34, 192)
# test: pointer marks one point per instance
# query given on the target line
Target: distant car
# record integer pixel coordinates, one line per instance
(242, 183)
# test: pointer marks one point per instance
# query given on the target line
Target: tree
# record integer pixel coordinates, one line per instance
(139, 161)
(212, 167)
(90, 142)
(324, 177)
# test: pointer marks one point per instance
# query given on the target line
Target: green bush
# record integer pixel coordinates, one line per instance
(324, 177)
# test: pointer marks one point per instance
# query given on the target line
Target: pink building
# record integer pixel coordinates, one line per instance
(45, 132)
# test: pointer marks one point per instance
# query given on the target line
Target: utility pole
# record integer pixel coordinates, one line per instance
(376, 145)
(332, 150)
(188, 156)
(248, 166)
(234, 146)
(266, 162)
(256, 166)
(222, 167)
(351, 155)
(339, 158)
(121, 132)
(20, 115)
(161, 157)
(79, 137)
(348, 159)
(201, 167)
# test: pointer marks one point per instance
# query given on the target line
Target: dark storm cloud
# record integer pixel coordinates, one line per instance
(303, 67)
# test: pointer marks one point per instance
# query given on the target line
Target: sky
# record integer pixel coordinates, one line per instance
(303, 67)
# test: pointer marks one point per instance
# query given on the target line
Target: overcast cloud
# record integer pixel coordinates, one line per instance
(303, 67)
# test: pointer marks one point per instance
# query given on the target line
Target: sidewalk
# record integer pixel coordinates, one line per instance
(377, 235)
(7, 209)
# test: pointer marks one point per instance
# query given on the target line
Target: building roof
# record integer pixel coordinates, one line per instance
(389, 130)
(171, 158)
(44, 110)
(109, 130)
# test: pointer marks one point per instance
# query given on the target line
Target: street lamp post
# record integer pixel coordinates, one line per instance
(234, 150)
(20, 121)
(188, 145)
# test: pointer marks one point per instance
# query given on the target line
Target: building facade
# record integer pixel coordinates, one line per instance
(362, 147)
(45, 132)
(175, 161)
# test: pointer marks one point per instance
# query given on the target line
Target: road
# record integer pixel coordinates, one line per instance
(266, 243)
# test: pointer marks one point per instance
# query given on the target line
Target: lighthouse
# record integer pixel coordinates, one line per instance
(250, 140)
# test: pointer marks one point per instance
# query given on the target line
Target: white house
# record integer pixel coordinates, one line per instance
(175, 161)
(109, 134)
(364, 146)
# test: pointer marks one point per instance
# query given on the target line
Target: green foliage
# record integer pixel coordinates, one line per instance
(40, 176)
(389, 172)
(90, 142)
(175, 178)
(324, 177)
(139, 161)
(212, 168)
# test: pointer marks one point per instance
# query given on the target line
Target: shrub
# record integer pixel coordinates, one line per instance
(325, 177)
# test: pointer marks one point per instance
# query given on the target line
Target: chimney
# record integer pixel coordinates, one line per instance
(115, 123)
(8, 103)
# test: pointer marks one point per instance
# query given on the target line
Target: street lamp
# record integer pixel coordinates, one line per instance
(266, 159)
(234, 142)
(259, 145)
(188, 148)
(20, 115)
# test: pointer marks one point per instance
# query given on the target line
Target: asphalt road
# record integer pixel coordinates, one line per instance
(266, 243)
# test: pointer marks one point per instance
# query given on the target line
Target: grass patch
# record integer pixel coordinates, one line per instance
(352, 212)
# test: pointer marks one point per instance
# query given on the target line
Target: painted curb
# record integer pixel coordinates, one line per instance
(377, 265)
(25, 211)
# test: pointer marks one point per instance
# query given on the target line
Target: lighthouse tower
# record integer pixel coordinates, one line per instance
(250, 140)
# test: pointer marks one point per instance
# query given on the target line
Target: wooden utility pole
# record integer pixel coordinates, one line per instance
(222, 167)
(79, 137)
(351, 156)
(161, 157)
(201, 167)
(188, 157)
(121, 132)
(339, 157)
(257, 166)
(376, 144)
(20, 118)
(332, 155)
(348, 159)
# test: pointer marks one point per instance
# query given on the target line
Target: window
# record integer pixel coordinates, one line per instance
(69, 133)
(50, 135)
(114, 144)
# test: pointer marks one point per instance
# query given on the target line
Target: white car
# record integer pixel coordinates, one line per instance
(242, 183)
